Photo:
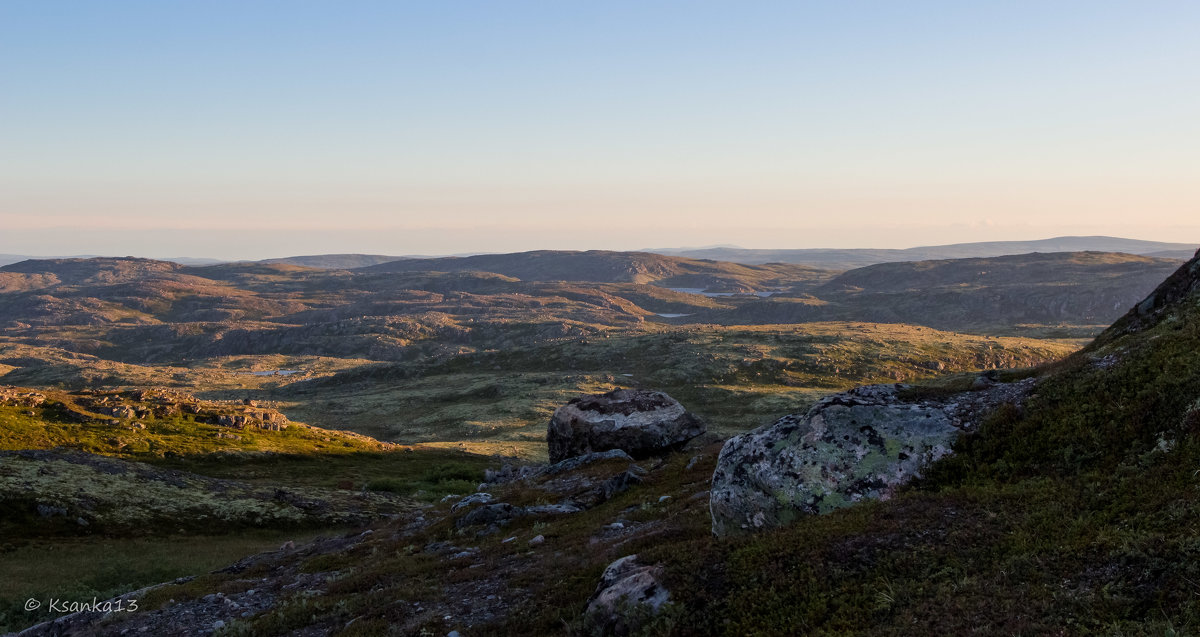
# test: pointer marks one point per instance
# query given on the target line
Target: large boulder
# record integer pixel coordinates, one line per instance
(857, 445)
(641, 423)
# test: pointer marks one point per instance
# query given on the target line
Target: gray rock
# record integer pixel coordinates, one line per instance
(507, 473)
(570, 464)
(642, 423)
(619, 484)
(857, 445)
(628, 594)
(498, 513)
(551, 509)
(472, 500)
(50, 510)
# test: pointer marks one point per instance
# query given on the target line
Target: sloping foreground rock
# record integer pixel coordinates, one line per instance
(856, 445)
(641, 423)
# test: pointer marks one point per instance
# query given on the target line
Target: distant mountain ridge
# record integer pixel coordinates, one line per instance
(850, 258)
(823, 258)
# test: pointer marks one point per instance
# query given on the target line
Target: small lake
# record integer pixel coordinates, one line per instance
(671, 315)
(276, 372)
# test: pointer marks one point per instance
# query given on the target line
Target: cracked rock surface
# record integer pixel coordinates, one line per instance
(856, 445)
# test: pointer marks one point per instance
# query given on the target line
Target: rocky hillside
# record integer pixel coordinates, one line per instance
(158, 422)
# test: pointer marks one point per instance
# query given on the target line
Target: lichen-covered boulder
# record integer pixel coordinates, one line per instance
(629, 594)
(641, 423)
(857, 445)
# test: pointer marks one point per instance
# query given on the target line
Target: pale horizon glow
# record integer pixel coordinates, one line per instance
(255, 130)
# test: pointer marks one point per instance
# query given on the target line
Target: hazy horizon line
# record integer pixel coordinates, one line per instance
(1168, 245)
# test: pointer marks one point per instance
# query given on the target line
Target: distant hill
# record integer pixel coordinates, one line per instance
(1066, 287)
(845, 259)
(601, 266)
(98, 270)
(7, 259)
(554, 287)
(335, 261)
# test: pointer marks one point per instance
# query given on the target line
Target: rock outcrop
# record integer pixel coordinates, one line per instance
(857, 445)
(641, 423)
(18, 397)
(629, 593)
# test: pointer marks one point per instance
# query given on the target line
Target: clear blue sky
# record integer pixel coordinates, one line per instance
(255, 129)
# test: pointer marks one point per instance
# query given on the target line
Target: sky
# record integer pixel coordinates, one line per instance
(265, 129)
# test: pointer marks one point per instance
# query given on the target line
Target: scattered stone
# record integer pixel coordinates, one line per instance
(627, 590)
(49, 510)
(537, 539)
(498, 513)
(508, 472)
(471, 500)
(551, 509)
(571, 464)
(619, 483)
(639, 422)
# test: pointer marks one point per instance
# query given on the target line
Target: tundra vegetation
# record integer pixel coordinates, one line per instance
(298, 402)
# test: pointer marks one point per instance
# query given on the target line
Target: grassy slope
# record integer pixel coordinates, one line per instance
(735, 377)
(62, 421)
